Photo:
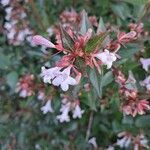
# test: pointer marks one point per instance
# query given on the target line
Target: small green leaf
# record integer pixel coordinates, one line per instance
(143, 121)
(121, 10)
(128, 52)
(95, 81)
(12, 79)
(85, 23)
(131, 82)
(127, 120)
(101, 26)
(107, 79)
(67, 41)
(95, 42)
(4, 61)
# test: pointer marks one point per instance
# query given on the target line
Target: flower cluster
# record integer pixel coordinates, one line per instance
(126, 138)
(81, 45)
(16, 26)
(25, 86)
(68, 106)
(58, 77)
(131, 105)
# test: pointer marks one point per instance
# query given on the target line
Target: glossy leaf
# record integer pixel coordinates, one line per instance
(12, 79)
(67, 41)
(95, 42)
(85, 23)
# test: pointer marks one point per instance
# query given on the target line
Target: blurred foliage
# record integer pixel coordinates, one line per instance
(23, 126)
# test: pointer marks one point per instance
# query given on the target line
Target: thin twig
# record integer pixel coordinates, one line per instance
(89, 125)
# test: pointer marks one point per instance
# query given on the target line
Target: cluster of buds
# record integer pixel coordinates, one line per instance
(126, 138)
(69, 20)
(16, 26)
(124, 38)
(69, 106)
(131, 105)
(25, 86)
(81, 45)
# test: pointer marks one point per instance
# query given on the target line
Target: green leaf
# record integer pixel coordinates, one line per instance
(95, 81)
(67, 41)
(121, 10)
(107, 79)
(85, 23)
(4, 61)
(131, 82)
(12, 79)
(143, 121)
(128, 52)
(136, 2)
(94, 42)
(127, 120)
(101, 26)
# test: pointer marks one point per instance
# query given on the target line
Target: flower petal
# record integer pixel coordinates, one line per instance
(39, 40)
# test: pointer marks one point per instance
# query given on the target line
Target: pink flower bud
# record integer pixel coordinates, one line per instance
(39, 40)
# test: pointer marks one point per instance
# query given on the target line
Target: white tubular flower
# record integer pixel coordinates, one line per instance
(110, 148)
(39, 40)
(124, 142)
(146, 83)
(144, 141)
(4, 2)
(23, 93)
(47, 108)
(145, 63)
(64, 79)
(107, 58)
(77, 112)
(93, 142)
(41, 95)
(49, 74)
(64, 117)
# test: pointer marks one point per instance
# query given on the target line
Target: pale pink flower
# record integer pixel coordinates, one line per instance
(77, 112)
(23, 93)
(110, 148)
(93, 142)
(136, 107)
(39, 40)
(64, 79)
(64, 116)
(47, 108)
(41, 95)
(145, 63)
(136, 27)
(125, 140)
(49, 74)
(4, 2)
(126, 37)
(106, 57)
(140, 142)
(25, 86)
(142, 106)
(146, 83)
